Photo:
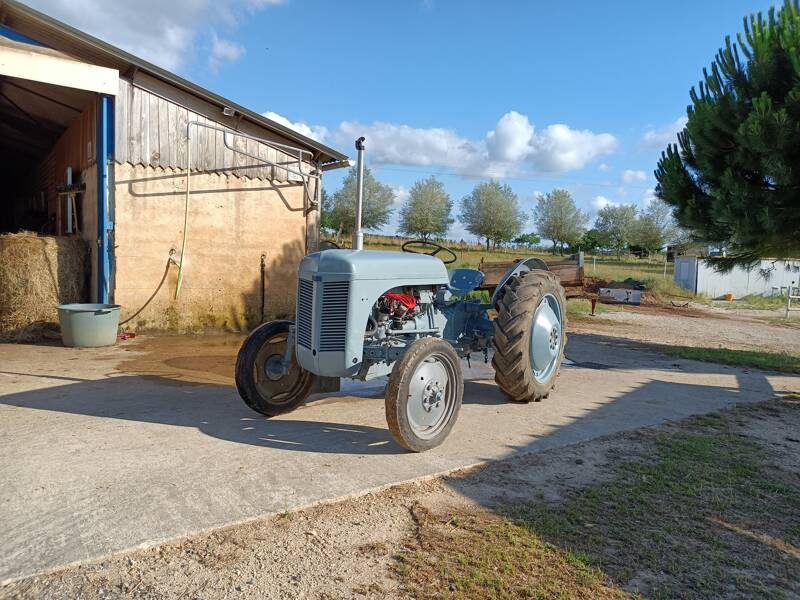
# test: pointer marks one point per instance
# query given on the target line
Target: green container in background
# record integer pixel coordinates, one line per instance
(88, 325)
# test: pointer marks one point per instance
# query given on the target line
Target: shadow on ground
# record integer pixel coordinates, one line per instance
(168, 394)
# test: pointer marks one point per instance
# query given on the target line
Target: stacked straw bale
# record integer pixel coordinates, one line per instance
(36, 274)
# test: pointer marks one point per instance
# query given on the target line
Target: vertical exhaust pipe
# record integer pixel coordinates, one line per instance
(358, 235)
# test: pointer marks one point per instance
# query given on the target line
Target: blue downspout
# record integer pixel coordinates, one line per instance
(105, 153)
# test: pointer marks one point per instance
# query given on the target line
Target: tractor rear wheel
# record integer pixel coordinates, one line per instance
(529, 335)
(260, 378)
(424, 394)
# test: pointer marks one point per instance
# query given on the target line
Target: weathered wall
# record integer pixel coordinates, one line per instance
(232, 222)
(151, 129)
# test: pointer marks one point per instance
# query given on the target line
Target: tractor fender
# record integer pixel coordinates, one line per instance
(524, 266)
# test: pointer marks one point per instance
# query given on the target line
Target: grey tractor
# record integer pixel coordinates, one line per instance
(364, 314)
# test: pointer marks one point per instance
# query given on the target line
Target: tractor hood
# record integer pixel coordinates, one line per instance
(375, 265)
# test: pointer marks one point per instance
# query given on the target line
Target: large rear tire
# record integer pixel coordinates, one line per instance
(424, 394)
(259, 378)
(529, 335)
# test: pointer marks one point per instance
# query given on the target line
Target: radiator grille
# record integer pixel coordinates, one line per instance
(305, 302)
(333, 324)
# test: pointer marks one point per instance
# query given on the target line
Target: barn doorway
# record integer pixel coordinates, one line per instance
(47, 147)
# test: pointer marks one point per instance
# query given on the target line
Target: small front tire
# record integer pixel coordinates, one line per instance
(424, 394)
(259, 378)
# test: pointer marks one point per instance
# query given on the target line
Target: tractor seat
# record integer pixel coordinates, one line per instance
(463, 281)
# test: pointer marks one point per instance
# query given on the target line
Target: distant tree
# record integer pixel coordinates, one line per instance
(326, 218)
(492, 212)
(733, 178)
(655, 227)
(617, 222)
(528, 240)
(376, 211)
(558, 219)
(426, 212)
(594, 240)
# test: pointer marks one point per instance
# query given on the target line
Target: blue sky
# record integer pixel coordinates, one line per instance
(582, 95)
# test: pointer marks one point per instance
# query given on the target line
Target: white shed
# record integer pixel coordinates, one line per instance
(768, 277)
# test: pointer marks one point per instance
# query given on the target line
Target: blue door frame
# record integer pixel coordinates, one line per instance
(105, 156)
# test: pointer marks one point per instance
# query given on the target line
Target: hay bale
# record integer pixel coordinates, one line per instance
(37, 273)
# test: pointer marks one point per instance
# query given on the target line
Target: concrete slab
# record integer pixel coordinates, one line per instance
(108, 449)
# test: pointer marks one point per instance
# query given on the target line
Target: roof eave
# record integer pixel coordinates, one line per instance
(323, 154)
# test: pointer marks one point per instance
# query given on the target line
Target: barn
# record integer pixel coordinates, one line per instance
(193, 211)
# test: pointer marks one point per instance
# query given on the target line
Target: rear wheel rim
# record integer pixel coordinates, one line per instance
(547, 337)
(431, 397)
(270, 384)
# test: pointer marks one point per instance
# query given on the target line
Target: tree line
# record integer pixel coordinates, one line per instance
(491, 212)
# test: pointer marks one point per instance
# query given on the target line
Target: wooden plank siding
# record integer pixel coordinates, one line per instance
(151, 130)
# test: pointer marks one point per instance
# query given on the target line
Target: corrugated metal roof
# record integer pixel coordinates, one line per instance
(82, 46)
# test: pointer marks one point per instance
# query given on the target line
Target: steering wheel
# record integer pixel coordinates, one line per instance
(428, 244)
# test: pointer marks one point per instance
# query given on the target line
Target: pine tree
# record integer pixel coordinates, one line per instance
(734, 177)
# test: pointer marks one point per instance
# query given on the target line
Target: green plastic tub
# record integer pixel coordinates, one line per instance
(88, 325)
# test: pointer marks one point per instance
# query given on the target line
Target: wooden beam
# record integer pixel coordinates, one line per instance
(25, 61)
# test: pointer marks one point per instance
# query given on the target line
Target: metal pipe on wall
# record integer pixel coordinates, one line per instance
(275, 145)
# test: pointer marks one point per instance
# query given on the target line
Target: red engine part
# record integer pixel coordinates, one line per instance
(407, 300)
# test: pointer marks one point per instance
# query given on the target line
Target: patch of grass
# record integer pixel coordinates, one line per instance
(773, 361)
(793, 322)
(482, 556)
(755, 302)
(691, 518)
(579, 308)
(707, 514)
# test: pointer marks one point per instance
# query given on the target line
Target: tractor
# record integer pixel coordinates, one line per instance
(364, 314)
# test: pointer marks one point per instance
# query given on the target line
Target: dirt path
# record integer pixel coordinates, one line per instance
(351, 548)
(693, 326)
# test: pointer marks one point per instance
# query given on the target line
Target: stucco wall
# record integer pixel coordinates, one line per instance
(232, 222)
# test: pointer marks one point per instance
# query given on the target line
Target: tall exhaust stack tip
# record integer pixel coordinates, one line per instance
(358, 236)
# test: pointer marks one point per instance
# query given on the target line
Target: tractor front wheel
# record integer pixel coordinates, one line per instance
(529, 335)
(424, 394)
(263, 383)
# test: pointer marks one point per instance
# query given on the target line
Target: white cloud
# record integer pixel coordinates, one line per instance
(315, 132)
(389, 143)
(161, 32)
(603, 167)
(659, 138)
(223, 51)
(512, 146)
(401, 193)
(559, 148)
(599, 202)
(648, 197)
(629, 176)
(510, 140)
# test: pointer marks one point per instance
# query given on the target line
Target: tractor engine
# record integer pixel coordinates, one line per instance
(397, 306)
(346, 298)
